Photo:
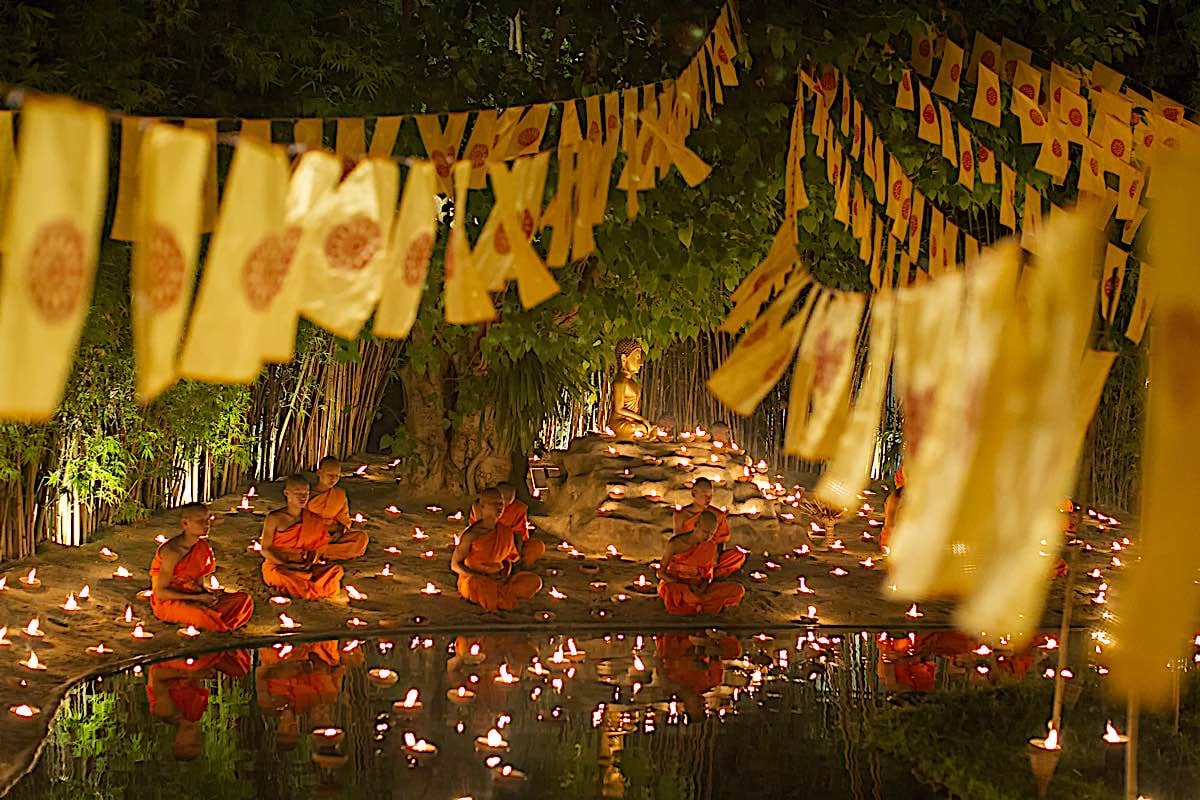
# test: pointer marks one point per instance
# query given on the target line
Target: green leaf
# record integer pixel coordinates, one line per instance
(684, 232)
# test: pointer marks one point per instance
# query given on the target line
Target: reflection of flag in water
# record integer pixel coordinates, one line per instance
(50, 258)
(407, 258)
(243, 270)
(173, 165)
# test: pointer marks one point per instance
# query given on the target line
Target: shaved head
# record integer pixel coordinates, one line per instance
(329, 461)
(193, 511)
(490, 504)
(295, 482)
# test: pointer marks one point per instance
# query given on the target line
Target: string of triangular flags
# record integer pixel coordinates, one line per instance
(312, 239)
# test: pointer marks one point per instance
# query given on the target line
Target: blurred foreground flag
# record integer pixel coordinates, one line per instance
(50, 256)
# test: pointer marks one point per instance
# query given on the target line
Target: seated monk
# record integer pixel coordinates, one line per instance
(177, 576)
(686, 575)
(729, 559)
(484, 560)
(292, 540)
(515, 517)
(329, 502)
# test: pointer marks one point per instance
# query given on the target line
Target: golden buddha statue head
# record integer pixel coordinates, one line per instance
(629, 356)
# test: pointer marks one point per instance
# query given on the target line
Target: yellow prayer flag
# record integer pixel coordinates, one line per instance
(569, 132)
(849, 470)
(257, 129)
(898, 190)
(841, 211)
(442, 142)
(966, 159)
(691, 167)
(529, 131)
(1011, 54)
(723, 50)
(1062, 82)
(1073, 114)
(922, 51)
(858, 211)
(1115, 260)
(242, 270)
(1158, 601)
(986, 107)
(984, 52)
(985, 161)
(1033, 121)
(1031, 219)
(466, 300)
(280, 286)
(877, 254)
(408, 253)
(949, 150)
(478, 149)
(1114, 105)
(1008, 195)
(754, 290)
(1052, 155)
(904, 92)
(173, 163)
(7, 168)
(916, 222)
(124, 226)
(949, 72)
(57, 204)
(1129, 193)
(1168, 108)
(927, 130)
(950, 247)
(1091, 172)
(1112, 135)
(1130, 229)
(208, 127)
(351, 138)
(383, 137)
(1026, 83)
(310, 133)
(937, 226)
(970, 250)
(1106, 77)
(881, 180)
(864, 242)
(1143, 304)
(516, 214)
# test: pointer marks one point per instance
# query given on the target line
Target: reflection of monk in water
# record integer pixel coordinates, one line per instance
(177, 694)
(911, 663)
(304, 679)
(694, 664)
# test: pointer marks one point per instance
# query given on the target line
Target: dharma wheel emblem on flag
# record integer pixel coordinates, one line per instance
(500, 241)
(992, 96)
(968, 161)
(416, 260)
(478, 155)
(1148, 140)
(613, 122)
(722, 56)
(925, 47)
(829, 81)
(954, 72)
(775, 369)
(1058, 94)
(164, 267)
(905, 208)
(1094, 166)
(897, 187)
(56, 270)
(1171, 113)
(593, 134)
(1182, 327)
(1056, 148)
(1075, 116)
(267, 266)
(988, 59)
(442, 162)
(1117, 148)
(907, 82)
(1027, 90)
(1133, 188)
(928, 114)
(351, 245)
(984, 155)
(1035, 116)
(528, 136)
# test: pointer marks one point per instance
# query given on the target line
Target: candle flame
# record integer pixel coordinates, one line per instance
(506, 676)
(354, 593)
(32, 662)
(410, 699)
(140, 633)
(129, 614)
(494, 739)
(361, 469)
(32, 628)
(475, 649)
(429, 588)
(913, 612)
(213, 583)
(121, 572)
(419, 534)
(612, 551)
(1052, 739)
(1110, 733)
(71, 604)
(393, 509)
(24, 710)
(638, 664)
(191, 630)
(556, 594)
(286, 622)
(386, 571)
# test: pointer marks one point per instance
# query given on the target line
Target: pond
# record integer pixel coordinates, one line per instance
(679, 714)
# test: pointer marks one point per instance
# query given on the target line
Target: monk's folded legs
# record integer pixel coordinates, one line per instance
(729, 562)
(317, 584)
(233, 610)
(350, 544)
(681, 598)
(499, 595)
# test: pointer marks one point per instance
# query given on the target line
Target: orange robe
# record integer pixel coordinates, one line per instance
(488, 554)
(727, 561)
(684, 596)
(515, 517)
(308, 677)
(690, 666)
(187, 693)
(306, 535)
(332, 506)
(233, 609)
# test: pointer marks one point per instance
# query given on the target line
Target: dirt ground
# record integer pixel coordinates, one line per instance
(857, 598)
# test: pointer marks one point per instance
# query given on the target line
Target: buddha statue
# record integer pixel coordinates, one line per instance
(624, 418)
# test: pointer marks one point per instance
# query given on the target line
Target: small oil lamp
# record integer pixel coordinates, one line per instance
(327, 737)
(214, 585)
(418, 748)
(394, 510)
(507, 773)
(190, 632)
(410, 705)
(141, 633)
(4, 640)
(914, 612)
(433, 509)
(385, 573)
(505, 678)
(556, 594)
(460, 696)
(360, 470)
(430, 589)
(382, 676)
(803, 587)
(280, 601)
(456, 516)
(353, 593)
(127, 619)
(24, 711)
(33, 629)
(428, 555)
(867, 563)
(32, 663)
(359, 519)
(30, 582)
(611, 552)
(121, 573)
(72, 605)
(758, 577)
(838, 572)
(245, 505)
(355, 622)
(493, 742)
(286, 623)
(107, 555)
(99, 649)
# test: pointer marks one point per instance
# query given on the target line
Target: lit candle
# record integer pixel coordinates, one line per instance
(279, 601)
(145, 595)
(99, 649)
(360, 470)
(505, 678)
(620, 597)
(4, 640)
(411, 704)
(33, 629)
(122, 573)
(355, 622)
(160, 539)
(386, 572)
(71, 605)
(24, 711)
(32, 662)
(353, 593)
(461, 695)
(190, 632)
(419, 534)
(30, 581)
(867, 563)
(433, 509)
(507, 773)
(428, 554)
(598, 586)
(611, 551)
(107, 555)
(913, 612)
(286, 623)
(803, 588)
(493, 742)
(758, 577)
(418, 748)
(456, 516)
(359, 519)
(556, 594)
(127, 619)
(430, 589)
(140, 633)
(381, 676)
(393, 509)
(244, 505)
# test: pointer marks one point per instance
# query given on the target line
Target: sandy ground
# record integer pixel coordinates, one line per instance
(856, 598)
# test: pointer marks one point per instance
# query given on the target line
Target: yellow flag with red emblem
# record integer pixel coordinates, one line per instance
(984, 52)
(465, 295)
(442, 142)
(1073, 114)
(966, 159)
(985, 164)
(1052, 156)
(342, 246)
(1008, 196)
(57, 204)
(1143, 303)
(949, 74)
(224, 341)
(124, 226)
(986, 107)
(383, 137)
(1115, 260)
(904, 92)
(1033, 121)
(927, 130)
(1026, 83)
(922, 50)
(173, 164)
(7, 168)
(949, 148)
(408, 254)
(1112, 135)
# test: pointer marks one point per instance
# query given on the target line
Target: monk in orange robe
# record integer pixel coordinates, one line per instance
(329, 502)
(686, 576)
(292, 540)
(485, 557)
(515, 517)
(177, 576)
(729, 559)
